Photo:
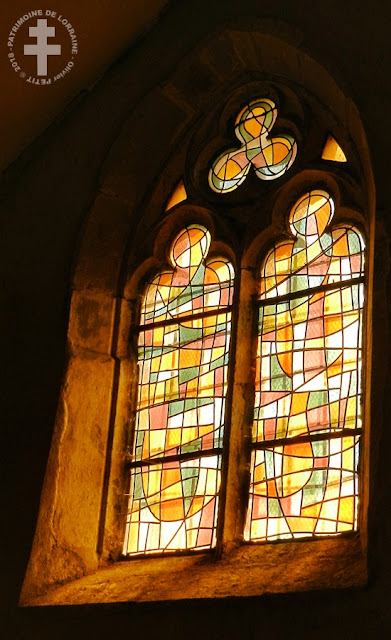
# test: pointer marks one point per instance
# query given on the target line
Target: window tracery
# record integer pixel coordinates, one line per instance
(307, 412)
(112, 518)
(270, 157)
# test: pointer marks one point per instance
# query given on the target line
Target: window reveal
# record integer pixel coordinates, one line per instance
(307, 420)
(184, 338)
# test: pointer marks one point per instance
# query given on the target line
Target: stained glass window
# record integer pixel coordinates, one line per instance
(184, 338)
(308, 416)
(270, 157)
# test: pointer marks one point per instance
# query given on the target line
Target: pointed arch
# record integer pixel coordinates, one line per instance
(117, 245)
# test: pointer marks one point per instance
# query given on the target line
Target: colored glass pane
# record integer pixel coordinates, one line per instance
(308, 379)
(332, 151)
(303, 489)
(178, 195)
(183, 366)
(270, 157)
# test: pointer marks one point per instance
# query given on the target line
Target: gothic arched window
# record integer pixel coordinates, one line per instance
(298, 456)
(216, 399)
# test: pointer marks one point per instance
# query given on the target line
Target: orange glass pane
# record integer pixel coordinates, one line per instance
(178, 195)
(332, 151)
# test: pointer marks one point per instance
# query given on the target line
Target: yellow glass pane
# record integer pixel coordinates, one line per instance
(280, 150)
(332, 151)
(178, 195)
(253, 127)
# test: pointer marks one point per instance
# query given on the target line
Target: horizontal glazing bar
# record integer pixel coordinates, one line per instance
(188, 455)
(266, 444)
(185, 318)
(341, 284)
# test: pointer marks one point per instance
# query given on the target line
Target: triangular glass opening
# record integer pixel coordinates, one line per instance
(178, 195)
(332, 151)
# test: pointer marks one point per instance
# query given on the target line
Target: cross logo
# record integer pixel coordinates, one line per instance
(42, 49)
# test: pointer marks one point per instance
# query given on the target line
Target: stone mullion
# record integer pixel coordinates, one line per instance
(237, 454)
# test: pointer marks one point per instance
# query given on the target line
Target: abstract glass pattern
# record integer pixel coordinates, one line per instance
(183, 342)
(270, 157)
(307, 417)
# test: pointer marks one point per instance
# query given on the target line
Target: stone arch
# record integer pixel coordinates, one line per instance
(75, 535)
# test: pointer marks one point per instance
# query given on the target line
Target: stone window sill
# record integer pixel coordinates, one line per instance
(251, 570)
